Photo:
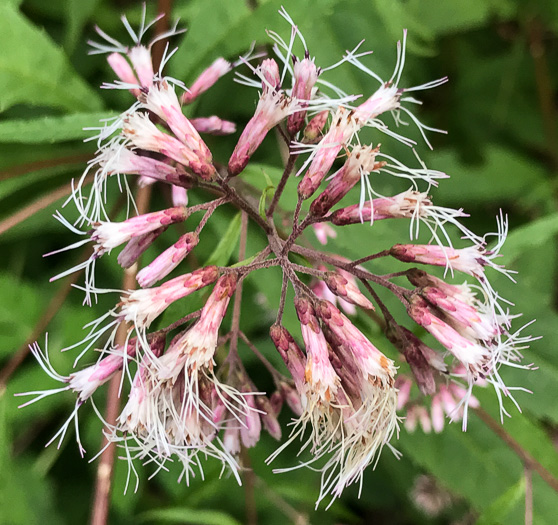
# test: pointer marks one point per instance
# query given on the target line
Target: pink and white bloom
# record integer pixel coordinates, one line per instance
(142, 307)
(471, 354)
(360, 162)
(341, 132)
(162, 100)
(273, 107)
(109, 235)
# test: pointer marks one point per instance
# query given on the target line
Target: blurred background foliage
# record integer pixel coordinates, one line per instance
(502, 153)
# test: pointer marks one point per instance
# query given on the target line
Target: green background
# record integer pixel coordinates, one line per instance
(499, 108)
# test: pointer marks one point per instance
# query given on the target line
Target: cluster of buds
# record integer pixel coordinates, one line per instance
(184, 399)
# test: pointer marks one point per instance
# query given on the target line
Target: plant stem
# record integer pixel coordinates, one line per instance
(36, 206)
(528, 460)
(281, 186)
(103, 482)
(235, 324)
(528, 495)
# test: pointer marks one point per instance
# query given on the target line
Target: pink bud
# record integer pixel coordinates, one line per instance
(140, 57)
(213, 125)
(167, 261)
(179, 196)
(136, 246)
(403, 384)
(250, 431)
(276, 401)
(291, 353)
(305, 76)
(314, 128)
(208, 77)
(437, 411)
(418, 356)
(231, 437)
(323, 231)
(123, 70)
(269, 72)
(269, 417)
(347, 289)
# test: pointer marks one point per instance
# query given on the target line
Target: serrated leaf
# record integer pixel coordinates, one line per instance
(34, 71)
(185, 515)
(224, 250)
(50, 129)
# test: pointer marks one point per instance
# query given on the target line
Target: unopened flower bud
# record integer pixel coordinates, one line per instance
(271, 77)
(140, 57)
(291, 353)
(207, 78)
(179, 196)
(251, 429)
(136, 246)
(213, 125)
(314, 128)
(345, 287)
(167, 261)
(305, 76)
(123, 70)
(269, 417)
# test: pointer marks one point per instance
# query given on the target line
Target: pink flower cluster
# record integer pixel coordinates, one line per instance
(187, 394)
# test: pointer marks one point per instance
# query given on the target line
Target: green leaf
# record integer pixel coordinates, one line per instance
(532, 235)
(185, 515)
(77, 13)
(502, 175)
(268, 190)
(50, 129)
(499, 510)
(223, 251)
(34, 71)
(450, 17)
